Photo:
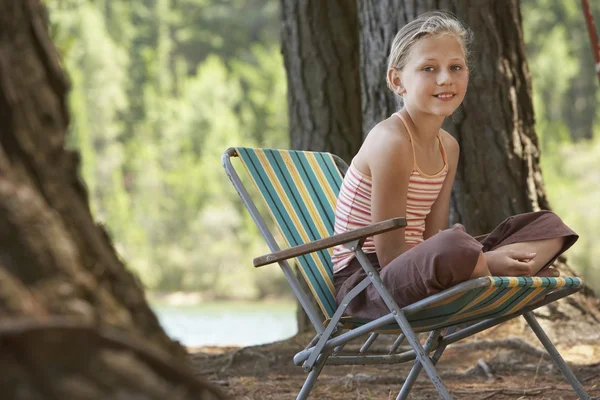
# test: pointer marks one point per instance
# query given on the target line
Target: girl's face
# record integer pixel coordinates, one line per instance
(435, 77)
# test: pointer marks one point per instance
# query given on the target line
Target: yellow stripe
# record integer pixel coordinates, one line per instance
(489, 307)
(561, 282)
(331, 196)
(536, 285)
(312, 210)
(306, 197)
(513, 281)
(446, 301)
(483, 296)
(260, 154)
(527, 299)
(536, 282)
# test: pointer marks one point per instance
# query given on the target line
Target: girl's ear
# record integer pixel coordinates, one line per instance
(395, 78)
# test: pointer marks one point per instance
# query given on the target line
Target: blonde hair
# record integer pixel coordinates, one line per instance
(435, 23)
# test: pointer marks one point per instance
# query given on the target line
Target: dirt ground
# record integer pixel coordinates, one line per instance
(502, 363)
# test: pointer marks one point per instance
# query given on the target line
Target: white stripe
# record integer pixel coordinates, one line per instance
(354, 211)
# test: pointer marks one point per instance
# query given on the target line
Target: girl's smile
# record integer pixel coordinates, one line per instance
(446, 96)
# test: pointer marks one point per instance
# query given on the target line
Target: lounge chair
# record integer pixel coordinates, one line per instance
(299, 189)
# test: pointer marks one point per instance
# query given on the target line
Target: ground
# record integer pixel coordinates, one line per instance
(502, 363)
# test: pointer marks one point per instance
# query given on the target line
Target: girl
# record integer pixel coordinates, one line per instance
(406, 167)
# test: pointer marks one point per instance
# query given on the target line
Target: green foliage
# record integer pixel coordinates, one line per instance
(264, 113)
(572, 174)
(224, 27)
(160, 89)
(565, 86)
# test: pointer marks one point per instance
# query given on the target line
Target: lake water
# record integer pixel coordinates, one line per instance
(228, 323)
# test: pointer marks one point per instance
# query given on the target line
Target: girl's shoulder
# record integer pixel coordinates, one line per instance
(387, 144)
(388, 134)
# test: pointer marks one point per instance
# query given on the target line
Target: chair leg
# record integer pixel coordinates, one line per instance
(441, 347)
(417, 367)
(423, 359)
(311, 379)
(558, 360)
(404, 325)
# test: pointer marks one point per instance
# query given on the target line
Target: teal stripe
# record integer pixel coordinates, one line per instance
(332, 173)
(287, 181)
(478, 310)
(326, 213)
(420, 325)
(573, 282)
(494, 295)
(509, 302)
(308, 264)
(442, 321)
(284, 219)
(443, 312)
(267, 189)
(528, 281)
(496, 312)
(310, 178)
(516, 298)
(503, 282)
(325, 209)
(276, 206)
(503, 308)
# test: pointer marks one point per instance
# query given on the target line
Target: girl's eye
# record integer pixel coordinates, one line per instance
(427, 69)
(456, 67)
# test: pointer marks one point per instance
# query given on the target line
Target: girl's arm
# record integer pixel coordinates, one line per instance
(390, 162)
(438, 217)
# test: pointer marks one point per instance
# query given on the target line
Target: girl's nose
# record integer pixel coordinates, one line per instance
(443, 78)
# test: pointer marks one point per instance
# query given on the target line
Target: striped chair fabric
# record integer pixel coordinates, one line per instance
(500, 296)
(300, 189)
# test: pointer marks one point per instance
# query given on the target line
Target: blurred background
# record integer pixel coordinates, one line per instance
(160, 88)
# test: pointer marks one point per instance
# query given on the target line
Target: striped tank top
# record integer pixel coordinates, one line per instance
(353, 208)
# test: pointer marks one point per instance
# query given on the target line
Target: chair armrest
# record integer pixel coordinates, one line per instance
(331, 241)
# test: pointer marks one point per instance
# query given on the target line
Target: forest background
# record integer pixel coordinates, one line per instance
(160, 88)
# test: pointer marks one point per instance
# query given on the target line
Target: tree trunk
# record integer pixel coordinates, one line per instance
(65, 297)
(499, 168)
(321, 55)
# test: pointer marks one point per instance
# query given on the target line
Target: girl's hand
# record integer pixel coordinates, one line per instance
(509, 262)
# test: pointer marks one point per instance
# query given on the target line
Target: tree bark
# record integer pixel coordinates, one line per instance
(320, 51)
(58, 270)
(499, 170)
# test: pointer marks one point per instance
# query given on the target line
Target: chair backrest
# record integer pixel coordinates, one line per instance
(300, 190)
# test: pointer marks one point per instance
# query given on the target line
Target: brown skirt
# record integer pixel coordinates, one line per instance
(442, 261)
